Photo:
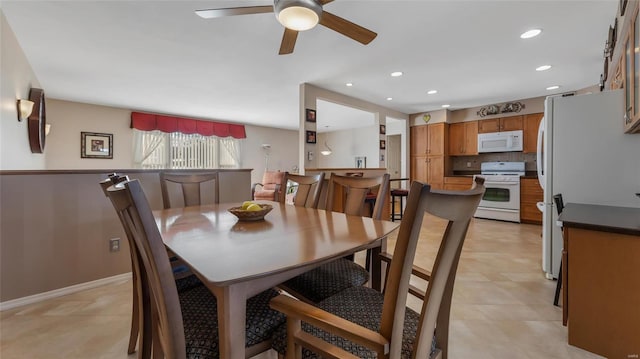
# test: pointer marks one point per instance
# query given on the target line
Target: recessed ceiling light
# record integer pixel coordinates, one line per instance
(446, 106)
(396, 73)
(554, 87)
(531, 33)
(389, 98)
(543, 68)
(349, 84)
(431, 92)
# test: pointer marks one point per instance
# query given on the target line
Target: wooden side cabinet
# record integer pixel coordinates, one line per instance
(530, 194)
(463, 138)
(457, 183)
(530, 132)
(429, 149)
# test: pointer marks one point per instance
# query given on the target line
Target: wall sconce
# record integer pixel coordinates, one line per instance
(327, 151)
(24, 109)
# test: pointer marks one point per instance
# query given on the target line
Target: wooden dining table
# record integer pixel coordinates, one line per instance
(237, 260)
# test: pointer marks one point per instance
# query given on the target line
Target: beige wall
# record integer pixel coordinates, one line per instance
(55, 227)
(68, 119)
(17, 78)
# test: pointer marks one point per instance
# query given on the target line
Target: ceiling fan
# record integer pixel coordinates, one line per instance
(296, 16)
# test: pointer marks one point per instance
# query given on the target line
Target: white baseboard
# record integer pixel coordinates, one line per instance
(14, 303)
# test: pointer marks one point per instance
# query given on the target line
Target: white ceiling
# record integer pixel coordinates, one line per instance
(159, 56)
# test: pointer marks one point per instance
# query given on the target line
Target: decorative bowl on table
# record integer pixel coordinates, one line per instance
(251, 215)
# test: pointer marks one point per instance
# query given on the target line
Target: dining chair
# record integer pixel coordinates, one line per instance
(191, 185)
(189, 188)
(183, 324)
(183, 282)
(271, 188)
(360, 322)
(332, 277)
(307, 192)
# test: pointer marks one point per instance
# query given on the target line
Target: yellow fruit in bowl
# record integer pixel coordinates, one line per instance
(254, 207)
(246, 204)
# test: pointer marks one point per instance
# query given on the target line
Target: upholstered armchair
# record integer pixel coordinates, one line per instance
(272, 187)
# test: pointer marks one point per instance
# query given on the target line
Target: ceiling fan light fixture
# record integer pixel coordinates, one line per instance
(299, 15)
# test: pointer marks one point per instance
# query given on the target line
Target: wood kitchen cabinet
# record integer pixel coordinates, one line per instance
(458, 183)
(511, 123)
(627, 70)
(428, 169)
(631, 72)
(530, 194)
(463, 138)
(429, 147)
(429, 140)
(530, 132)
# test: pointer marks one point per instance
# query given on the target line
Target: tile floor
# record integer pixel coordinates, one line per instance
(502, 306)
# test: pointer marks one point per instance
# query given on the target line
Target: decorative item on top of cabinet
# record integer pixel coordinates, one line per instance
(530, 132)
(511, 123)
(463, 138)
(530, 194)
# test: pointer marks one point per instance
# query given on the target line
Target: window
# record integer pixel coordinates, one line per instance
(159, 150)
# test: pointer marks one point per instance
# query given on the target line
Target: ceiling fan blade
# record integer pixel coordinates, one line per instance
(288, 41)
(347, 28)
(325, 2)
(211, 13)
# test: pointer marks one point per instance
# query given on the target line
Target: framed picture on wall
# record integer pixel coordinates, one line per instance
(361, 162)
(311, 136)
(383, 144)
(383, 129)
(310, 115)
(96, 145)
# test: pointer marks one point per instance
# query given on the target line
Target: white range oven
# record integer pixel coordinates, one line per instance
(501, 199)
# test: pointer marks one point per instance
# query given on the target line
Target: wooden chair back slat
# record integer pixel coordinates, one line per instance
(190, 184)
(308, 192)
(355, 190)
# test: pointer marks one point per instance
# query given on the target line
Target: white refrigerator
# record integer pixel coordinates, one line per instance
(584, 155)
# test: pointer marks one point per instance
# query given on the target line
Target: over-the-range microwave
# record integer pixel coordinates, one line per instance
(507, 141)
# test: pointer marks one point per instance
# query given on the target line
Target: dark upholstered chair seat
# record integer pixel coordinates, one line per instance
(362, 306)
(400, 192)
(200, 319)
(328, 279)
(188, 282)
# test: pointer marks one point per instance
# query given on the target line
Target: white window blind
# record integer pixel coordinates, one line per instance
(181, 151)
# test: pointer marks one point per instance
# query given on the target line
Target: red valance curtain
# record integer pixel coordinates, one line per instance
(150, 122)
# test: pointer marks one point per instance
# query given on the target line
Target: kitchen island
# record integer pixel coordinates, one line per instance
(601, 271)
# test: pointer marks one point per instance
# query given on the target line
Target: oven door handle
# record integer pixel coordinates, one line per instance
(488, 183)
(499, 209)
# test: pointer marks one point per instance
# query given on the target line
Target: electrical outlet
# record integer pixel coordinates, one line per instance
(114, 245)
(468, 164)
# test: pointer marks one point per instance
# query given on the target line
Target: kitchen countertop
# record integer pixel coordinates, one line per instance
(624, 220)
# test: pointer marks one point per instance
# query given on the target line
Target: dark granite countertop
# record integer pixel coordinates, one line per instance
(625, 220)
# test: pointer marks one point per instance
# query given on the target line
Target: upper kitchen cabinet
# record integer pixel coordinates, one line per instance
(631, 65)
(530, 132)
(418, 140)
(463, 138)
(627, 70)
(428, 139)
(511, 123)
